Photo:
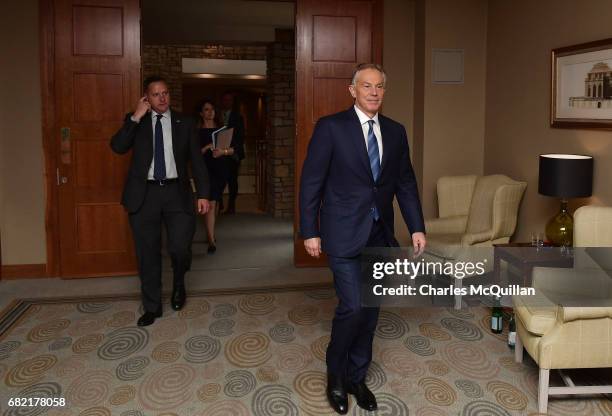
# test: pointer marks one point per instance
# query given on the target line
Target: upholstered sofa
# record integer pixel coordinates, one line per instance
(568, 323)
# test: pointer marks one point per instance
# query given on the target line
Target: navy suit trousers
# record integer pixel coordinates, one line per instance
(350, 349)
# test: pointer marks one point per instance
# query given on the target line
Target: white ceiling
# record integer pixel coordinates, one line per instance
(205, 21)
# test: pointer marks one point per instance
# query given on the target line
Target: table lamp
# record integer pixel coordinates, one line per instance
(564, 177)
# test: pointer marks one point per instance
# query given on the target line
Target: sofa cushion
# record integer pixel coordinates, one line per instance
(537, 313)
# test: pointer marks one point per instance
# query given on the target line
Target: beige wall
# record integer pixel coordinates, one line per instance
(445, 122)
(520, 38)
(398, 60)
(22, 196)
(453, 115)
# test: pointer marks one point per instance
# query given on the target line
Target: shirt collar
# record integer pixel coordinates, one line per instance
(363, 118)
(165, 114)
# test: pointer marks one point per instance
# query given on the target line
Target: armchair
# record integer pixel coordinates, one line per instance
(474, 211)
(568, 324)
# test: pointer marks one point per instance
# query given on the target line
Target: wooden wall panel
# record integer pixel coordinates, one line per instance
(96, 167)
(97, 30)
(330, 94)
(102, 228)
(334, 39)
(96, 95)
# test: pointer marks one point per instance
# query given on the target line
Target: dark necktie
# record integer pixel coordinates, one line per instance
(374, 159)
(159, 166)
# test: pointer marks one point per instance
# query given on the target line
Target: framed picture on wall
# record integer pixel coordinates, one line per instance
(581, 90)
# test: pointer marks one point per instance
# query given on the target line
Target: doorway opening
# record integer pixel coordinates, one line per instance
(250, 100)
(229, 37)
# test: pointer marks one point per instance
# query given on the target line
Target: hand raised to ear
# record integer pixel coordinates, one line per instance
(142, 108)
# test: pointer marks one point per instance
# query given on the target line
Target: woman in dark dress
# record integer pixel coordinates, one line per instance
(217, 170)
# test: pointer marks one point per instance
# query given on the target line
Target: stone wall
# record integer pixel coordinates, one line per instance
(166, 61)
(281, 131)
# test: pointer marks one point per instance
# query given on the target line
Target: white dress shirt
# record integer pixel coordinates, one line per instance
(365, 127)
(166, 123)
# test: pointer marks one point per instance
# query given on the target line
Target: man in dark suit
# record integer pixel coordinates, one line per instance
(158, 190)
(357, 162)
(233, 119)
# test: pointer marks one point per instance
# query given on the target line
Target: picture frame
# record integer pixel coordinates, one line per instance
(581, 87)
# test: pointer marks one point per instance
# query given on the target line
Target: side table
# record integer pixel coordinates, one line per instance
(525, 257)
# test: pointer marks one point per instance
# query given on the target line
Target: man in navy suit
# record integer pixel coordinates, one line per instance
(357, 162)
(157, 191)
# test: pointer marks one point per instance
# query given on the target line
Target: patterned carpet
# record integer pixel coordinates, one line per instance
(256, 353)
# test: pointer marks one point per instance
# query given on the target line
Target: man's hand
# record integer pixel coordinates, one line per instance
(313, 246)
(203, 206)
(207, 148)
(142, 108)
(418, 243)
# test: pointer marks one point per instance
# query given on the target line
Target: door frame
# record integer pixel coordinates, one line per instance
(47, 87)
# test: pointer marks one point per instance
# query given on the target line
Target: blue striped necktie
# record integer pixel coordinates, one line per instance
(374, 157)
(159, 166)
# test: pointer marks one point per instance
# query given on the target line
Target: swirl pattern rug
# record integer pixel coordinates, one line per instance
(257, 353)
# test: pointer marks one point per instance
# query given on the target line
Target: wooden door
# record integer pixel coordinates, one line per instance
(97, 80)
(332, 37)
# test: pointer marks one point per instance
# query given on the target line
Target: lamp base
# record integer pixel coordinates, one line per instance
(560, 228)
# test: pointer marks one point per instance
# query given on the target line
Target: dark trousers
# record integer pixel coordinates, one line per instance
(162, 205)
(233, 166)
(350, 349)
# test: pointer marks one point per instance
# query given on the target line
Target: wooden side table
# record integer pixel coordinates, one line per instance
(525, 257)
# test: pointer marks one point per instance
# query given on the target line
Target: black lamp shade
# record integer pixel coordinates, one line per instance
(566, 176)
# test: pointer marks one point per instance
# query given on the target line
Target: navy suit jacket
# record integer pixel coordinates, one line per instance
(138, 137)
(237, 123)
(337, 185)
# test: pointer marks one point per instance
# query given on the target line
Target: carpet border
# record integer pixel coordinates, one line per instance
(17, 309)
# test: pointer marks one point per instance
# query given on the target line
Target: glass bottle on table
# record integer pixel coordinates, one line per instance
(497, 325)
(512, 332)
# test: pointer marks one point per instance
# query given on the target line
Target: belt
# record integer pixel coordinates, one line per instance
(162, 182)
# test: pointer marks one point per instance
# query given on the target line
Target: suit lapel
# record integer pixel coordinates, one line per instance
(148, 133)
(386, 141)
(175, 121)
(356, 135)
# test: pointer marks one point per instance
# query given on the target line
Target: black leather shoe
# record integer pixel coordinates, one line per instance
(365, 398)
(212, 248)
(178, 298)
(336, 394)
(148, 318)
